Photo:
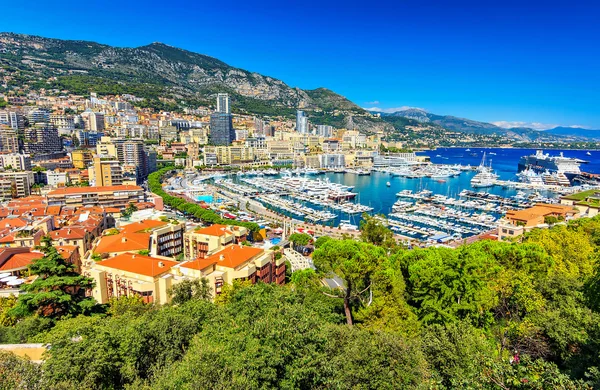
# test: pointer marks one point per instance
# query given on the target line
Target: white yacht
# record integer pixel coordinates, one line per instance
(485, 177)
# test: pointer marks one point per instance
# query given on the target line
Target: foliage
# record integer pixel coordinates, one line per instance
(19, 373)
(374, 231)
(300, 239)
(58, 290)
(187, 290)
(352, 261)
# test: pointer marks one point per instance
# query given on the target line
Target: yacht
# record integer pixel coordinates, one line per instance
(388, 184)
(588, 154)
(485, 177)
(346, 225)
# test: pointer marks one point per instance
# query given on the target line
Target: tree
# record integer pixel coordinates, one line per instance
(352, 261)
(187, 290)
(58, 290)
(299, 239)
(450, 284)
(374, 231)
(19, 373)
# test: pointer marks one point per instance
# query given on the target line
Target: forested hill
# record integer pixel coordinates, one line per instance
(488, 315)
(159, 70)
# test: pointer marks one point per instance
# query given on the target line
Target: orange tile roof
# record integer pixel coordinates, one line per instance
(143, 225)
(123, 242)
(83, 190)
(539, 210)
(231, 257)
(138, 264)
(66, 250)
(214, 230)
(53, 210)
(13, 222)
(7, 239)
(20, 260)
(67, 232)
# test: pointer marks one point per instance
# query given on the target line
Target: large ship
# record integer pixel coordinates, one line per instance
(542, 163)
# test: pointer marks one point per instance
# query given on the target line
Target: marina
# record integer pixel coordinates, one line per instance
(448, 199)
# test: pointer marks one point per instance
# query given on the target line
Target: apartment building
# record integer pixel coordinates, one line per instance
(82, 158)
(235, 262)
(517, 222)
(131, 274)
(157, 237)
(19, 183)
(118, 196)
(204, 241)
(19, 162)
(106, 172)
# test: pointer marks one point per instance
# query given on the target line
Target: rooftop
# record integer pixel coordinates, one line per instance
(231, 257)
(139, 264)
(83, 190)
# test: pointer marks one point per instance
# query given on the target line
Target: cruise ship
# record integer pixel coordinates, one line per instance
(540, 163)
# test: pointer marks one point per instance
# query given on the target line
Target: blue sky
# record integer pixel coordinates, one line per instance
(513, 61)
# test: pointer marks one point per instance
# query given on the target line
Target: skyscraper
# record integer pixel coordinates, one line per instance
(301, 122)
(42, 138)
(221, 129)
(223, 103)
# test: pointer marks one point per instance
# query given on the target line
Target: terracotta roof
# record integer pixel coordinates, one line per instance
(539, 210)
(53, 210)
(8, 238)
(83, 190)
(20, 260)
(214, 230)
(138, 264)
(68, 232)
(67, 250)
(142, 225)
(231, 257)
(12, 222)
(123, 242)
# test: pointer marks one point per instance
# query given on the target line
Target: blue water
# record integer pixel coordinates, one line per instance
(373, 191)
(275, 240)
(505, 161)
(205, 198)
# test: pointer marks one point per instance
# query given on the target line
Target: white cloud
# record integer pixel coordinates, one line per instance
(392, 109)
(373, 103)
(531, 125)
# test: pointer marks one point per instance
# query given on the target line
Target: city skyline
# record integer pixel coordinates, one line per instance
(515, 64)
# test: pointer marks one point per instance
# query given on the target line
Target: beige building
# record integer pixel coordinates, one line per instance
(20, 183)
(235, 262)
(106, 172)
(82, 158)
(107, 196)
(587, 202)
(106, 148)
(132, 274)
(204, 241)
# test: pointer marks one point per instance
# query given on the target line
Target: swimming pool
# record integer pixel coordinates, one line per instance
(205, 198)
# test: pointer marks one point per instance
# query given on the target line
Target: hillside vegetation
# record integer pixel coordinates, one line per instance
(487, 315)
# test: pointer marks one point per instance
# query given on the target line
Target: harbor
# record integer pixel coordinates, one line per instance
(433, 202)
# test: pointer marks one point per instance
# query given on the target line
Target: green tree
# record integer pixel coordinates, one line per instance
(300, 239)
(374, 231)
(352, 261)
(187, 290)
(58, 290)
(19, 373)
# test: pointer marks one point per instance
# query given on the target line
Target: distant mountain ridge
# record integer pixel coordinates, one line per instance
(158, 70)
(476, 127)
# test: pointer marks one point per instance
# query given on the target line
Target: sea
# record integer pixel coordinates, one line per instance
(373, 190)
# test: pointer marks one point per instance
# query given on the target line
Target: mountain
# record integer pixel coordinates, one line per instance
(463, 125)
(574, 132)
(168, 77)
